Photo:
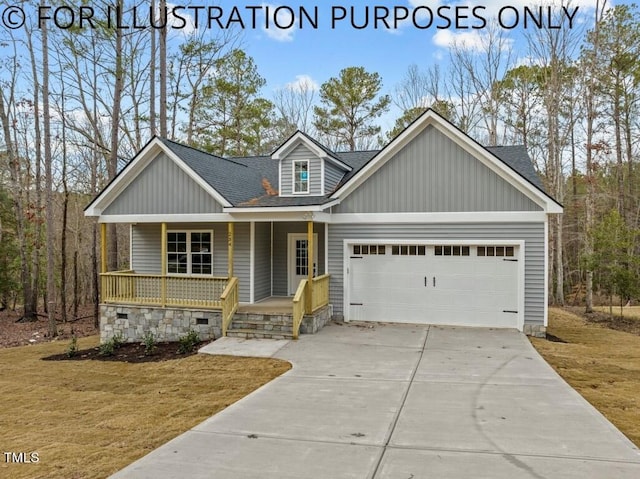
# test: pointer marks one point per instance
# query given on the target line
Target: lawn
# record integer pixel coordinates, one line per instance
(600, 363)
(88, 419)
(631, 312)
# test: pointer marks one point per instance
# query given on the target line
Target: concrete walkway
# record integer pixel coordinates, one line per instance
(402, 402)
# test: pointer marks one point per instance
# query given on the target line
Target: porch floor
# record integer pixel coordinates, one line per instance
(270, 305)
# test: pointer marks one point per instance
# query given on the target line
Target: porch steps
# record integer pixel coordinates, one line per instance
(261, 326)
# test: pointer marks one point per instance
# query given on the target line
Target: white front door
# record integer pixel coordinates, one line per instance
(297, 259)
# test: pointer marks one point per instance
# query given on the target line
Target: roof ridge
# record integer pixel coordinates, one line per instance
(202, 151)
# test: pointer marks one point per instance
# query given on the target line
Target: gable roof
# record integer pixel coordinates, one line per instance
(502, 168)
(240, 182)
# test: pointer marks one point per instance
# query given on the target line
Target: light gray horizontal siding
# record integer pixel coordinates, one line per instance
(147, 247)
(280, 252)
(531, 233)
(332, 176)
(262, 275)
(163, 188)
(432, 173)
(301, 152)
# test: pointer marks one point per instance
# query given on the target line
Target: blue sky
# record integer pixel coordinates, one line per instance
(283, 56)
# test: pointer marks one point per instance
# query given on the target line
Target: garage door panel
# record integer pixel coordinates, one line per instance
(469, 290)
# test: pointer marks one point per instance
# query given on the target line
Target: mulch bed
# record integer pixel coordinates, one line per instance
(129, 353)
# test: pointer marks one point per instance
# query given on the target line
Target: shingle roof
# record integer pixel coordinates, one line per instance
(240, 180)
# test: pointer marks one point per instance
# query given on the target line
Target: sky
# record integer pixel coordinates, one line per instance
(335, 34)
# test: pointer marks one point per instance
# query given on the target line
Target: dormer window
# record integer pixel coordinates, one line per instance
(301, 176)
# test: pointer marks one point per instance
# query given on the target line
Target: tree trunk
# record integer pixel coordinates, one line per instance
(51, 279)
(152, 76)
(163, 72)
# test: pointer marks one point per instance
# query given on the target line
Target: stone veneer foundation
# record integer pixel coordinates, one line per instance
(132, 323)
(535, 330)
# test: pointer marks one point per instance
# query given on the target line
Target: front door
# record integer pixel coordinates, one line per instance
(297, 259)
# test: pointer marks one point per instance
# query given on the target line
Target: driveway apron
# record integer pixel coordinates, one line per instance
(402, 401)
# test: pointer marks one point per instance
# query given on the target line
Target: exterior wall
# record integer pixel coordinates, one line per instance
(163, 188)
(332, 176)
(280, 252)
(166, 324)
(146, 249)
(262, 261)
(432, 173)
(531, 233)
(301, 152)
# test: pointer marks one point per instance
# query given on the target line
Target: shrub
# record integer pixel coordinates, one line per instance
(150, 343)
(106, 349)
(188, 342)
(118, 341)
(72, 349)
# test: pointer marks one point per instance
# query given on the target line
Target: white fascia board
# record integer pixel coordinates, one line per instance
(464, 141)
(160, 218)
(266, 210)
(133, 169)
(294, 141)
(441, 217)
(337, 162)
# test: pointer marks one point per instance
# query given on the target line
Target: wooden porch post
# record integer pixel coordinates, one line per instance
(230, 249)
(310, 248)
(163, 262)
(103, 247)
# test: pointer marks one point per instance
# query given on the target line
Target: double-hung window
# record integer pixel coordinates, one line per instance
(301, 176)
(190, 252)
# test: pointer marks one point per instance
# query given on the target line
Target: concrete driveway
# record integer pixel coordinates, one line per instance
(403, 402)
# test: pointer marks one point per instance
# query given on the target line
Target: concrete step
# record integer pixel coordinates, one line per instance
(257, 334)
(260, 317)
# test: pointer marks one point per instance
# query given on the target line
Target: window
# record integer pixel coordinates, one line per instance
(409, 250)
(359, 249)
(499, 251)
(301, 176)
(452, 250)
(189, 252)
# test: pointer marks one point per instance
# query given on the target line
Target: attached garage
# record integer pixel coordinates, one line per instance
(464, 283)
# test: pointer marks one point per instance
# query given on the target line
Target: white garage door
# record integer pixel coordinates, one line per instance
(448, 284)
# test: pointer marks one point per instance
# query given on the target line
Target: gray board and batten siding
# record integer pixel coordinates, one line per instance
(163, 188)
(434, 174)
(301, 152)
(146, 247)
(531, 233)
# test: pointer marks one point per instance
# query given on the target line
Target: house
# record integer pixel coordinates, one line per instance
(433, 228)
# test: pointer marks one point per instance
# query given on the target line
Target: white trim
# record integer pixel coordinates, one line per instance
(252, 260)
(177, 218)
(441, 217)
(137, 166)
(520, 244)
(326, 248)
(280, 178)
(291, 237)
(293, 178)
(322, 191)
(271, 290)
(281, 209)
(461, 139)
(130, 246)
(300, 138)
(546, 272)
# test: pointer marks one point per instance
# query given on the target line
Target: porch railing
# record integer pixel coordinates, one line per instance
(299, 306)
(229, 300)
(157, 290)
(320, 296)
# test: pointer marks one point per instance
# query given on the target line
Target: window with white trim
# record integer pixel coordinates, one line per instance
(301, 176)
(190, 252)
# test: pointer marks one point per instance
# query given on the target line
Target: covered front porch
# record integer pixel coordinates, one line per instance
(205, 276)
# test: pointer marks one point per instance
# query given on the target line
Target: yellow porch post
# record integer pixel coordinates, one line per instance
(310, 248)
(230, 249)
(163, 262)
(103, 247)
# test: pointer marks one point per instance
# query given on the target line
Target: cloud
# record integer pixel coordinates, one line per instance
(472, 40)
(303, 83)
(276, 17)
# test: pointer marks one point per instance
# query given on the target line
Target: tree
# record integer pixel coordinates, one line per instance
(231, 113)
(350, 106)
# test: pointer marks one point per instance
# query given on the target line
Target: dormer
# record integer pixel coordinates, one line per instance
(307, 168)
